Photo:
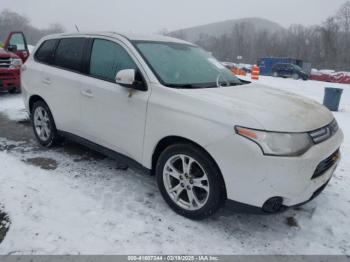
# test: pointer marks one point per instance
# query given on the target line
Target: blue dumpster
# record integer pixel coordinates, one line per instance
(332, 98)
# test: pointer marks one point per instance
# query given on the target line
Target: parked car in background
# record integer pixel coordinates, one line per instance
(13, 54)
(289, 70)
(330, 76)
(169, 107)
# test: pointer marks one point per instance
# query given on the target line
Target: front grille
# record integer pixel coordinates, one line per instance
(5, 62)
(6, 75)
(326, 164)
(324, 133)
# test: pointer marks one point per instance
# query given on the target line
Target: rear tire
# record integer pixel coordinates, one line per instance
(44, 125)
(190, 181)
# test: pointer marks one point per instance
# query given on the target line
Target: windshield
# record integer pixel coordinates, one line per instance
(185, 66)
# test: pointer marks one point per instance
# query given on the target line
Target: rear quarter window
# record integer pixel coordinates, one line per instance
(46, 51)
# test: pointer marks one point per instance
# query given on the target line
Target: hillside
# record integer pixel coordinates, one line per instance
(220, 28)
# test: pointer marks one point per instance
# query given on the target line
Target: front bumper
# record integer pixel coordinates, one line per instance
(252, 178)
(10, 78)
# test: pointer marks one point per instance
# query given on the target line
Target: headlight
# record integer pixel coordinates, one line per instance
(15, 63)
(277, 144)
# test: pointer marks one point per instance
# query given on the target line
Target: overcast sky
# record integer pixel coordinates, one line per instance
(150, 16)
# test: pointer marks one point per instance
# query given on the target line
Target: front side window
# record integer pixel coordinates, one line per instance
(46, 51)
(184, 66)
(69, 53)
(107, 59)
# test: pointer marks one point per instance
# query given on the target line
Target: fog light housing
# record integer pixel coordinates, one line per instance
(274, 205)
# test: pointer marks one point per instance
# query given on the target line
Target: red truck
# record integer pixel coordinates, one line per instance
(12, 56)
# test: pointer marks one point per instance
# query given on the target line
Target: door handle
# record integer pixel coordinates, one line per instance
(87, 93)
(46, 81)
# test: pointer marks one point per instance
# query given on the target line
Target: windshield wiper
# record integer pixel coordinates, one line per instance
(204, 85)
(189, 86)
(224, 84)
(236, 83)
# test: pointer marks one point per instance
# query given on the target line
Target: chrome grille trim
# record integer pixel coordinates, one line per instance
(5, 62)
(324, 133)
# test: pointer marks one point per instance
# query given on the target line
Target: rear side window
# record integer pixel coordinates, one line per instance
(46, 51)
(108, 58)
(69, 53)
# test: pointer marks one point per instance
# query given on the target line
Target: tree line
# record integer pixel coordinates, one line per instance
(326, 46)
(12, 21)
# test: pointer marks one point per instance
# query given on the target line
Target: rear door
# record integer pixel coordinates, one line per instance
(17, 44)
(283, 70)
(61, 83)
(290, 70)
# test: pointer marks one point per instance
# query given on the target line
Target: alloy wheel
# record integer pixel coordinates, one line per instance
(186, 182)
(42, 123)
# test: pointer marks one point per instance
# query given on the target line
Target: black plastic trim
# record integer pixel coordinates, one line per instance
(106, 151)
(245, 208)
(314, 195)
(326, 164)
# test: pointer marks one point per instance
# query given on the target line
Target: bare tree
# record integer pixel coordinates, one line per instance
(343, 16)
(12, 21)
(179, 34)
(325, 46)
(163, 31)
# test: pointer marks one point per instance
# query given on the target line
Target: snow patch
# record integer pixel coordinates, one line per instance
(13, 107)
(90, 207)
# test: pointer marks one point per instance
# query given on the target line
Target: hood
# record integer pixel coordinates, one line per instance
(273, 109)
(5, 54)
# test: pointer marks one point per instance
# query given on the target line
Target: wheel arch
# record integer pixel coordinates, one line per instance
(171, 140)
(32, 100)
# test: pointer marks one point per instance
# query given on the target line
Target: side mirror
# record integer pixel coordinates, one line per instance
(12, 48)
(130, 78)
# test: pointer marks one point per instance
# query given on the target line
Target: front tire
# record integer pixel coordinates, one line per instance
(295, 76)
(190, 181)
(14, 90)
(43, 125)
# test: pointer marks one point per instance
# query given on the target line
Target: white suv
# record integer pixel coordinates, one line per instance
(169, 107)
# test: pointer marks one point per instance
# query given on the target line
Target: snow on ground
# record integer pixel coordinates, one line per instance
(13, 108)
(88, 207)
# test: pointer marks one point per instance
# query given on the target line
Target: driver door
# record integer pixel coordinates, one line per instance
(16, 43)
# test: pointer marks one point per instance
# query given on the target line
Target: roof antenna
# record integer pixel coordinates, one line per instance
(76, 27)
